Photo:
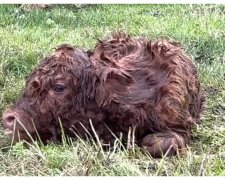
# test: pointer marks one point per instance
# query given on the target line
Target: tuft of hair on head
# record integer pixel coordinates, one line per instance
(120, 35)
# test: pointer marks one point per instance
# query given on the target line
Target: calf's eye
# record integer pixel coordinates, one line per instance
(59, 88)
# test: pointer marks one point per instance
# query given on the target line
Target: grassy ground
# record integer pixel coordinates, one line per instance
(27, 36)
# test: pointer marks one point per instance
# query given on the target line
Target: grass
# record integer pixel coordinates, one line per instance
(27, 36)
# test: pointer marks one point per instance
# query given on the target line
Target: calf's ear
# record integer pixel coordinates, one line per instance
(117, 84)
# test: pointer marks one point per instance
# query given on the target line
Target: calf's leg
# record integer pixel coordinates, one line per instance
(166, 143)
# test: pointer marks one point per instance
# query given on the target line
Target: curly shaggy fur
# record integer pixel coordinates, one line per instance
(123, 84)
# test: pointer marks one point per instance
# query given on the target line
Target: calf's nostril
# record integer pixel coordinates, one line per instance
(10, 118)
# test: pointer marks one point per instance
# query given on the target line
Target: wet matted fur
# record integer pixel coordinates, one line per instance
(124, 83)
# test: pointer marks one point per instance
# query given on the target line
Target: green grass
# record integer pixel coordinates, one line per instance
(27, 36)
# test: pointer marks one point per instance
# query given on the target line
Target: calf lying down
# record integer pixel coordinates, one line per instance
(123, 85)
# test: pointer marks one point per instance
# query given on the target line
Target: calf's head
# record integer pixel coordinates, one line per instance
(49, 93)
